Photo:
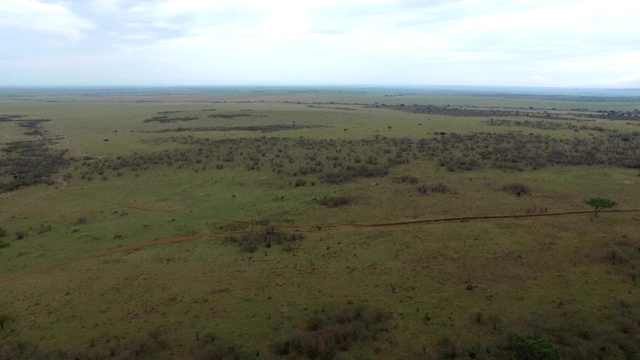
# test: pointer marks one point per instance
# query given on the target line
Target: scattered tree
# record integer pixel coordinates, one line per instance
(600, 203)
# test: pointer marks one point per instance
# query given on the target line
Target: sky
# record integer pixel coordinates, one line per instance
(544, 43)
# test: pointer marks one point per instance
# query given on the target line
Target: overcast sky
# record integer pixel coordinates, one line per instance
(568, 43)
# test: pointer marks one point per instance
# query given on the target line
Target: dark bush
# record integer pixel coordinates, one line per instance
(20, 234)
(44, 228)
(334, 201)
(439, 188)
(271, 236)
(517, 189)
(325, 336)
(3, 320)
(212, 347)
(29, 163)
(406, 179)
(534, 349)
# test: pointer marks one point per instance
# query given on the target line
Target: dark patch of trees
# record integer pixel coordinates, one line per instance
(333, 201)
(337, 161)
(406, 179)
(326, 335)
(352, 172)
(269, 237)
(256, 128)
(516, 189)
(545, 125)
(624, 255)
(438, 188)
(227, 116)
(10, 117)
(474, 111)
(29, 163)
(548, 337)
(163, 119)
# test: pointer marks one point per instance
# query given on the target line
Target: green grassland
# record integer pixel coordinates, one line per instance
(125, 246)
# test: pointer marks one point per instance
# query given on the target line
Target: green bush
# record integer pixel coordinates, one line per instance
(534, 349)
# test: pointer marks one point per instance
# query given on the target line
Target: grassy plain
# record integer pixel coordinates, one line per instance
(459, 289)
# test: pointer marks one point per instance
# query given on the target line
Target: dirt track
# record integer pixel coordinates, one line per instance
(306, 228)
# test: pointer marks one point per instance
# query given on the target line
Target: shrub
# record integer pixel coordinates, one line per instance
(212, 347)
(3, 232)
(325, 336)
(3, 320)
(516, 189)
(438, 188)
(82, 220)
(44, 228)
(534, 349)
(333, 202)
(406, 179)
(20, 234)
(267, 238)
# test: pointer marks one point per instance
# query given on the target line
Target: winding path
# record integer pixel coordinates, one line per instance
(301, 228)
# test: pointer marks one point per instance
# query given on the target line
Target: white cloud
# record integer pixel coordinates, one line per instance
(51, 19)
(475, 42)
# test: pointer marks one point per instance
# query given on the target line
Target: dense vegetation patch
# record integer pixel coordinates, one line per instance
(545, 125)
(334, 201)
(339, 161)
(517, 189)
(228, 116)
(163, 119)
(624, 257)
(29, 163)
(548, 337)
(270, 236)
(474, 111)
(157, 343)
(328, 334)
(438, 188)
(256, 128)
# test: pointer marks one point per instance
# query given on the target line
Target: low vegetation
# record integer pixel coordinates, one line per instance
(269, 237)
(175, 231)
(334, 201)
(328, 334)
(517, 189)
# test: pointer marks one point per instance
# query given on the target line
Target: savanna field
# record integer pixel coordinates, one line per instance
(318, 224)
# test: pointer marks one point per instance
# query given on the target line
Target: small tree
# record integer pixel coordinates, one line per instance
(600, 203)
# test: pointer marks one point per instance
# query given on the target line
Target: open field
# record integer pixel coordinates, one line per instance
(305, 223)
